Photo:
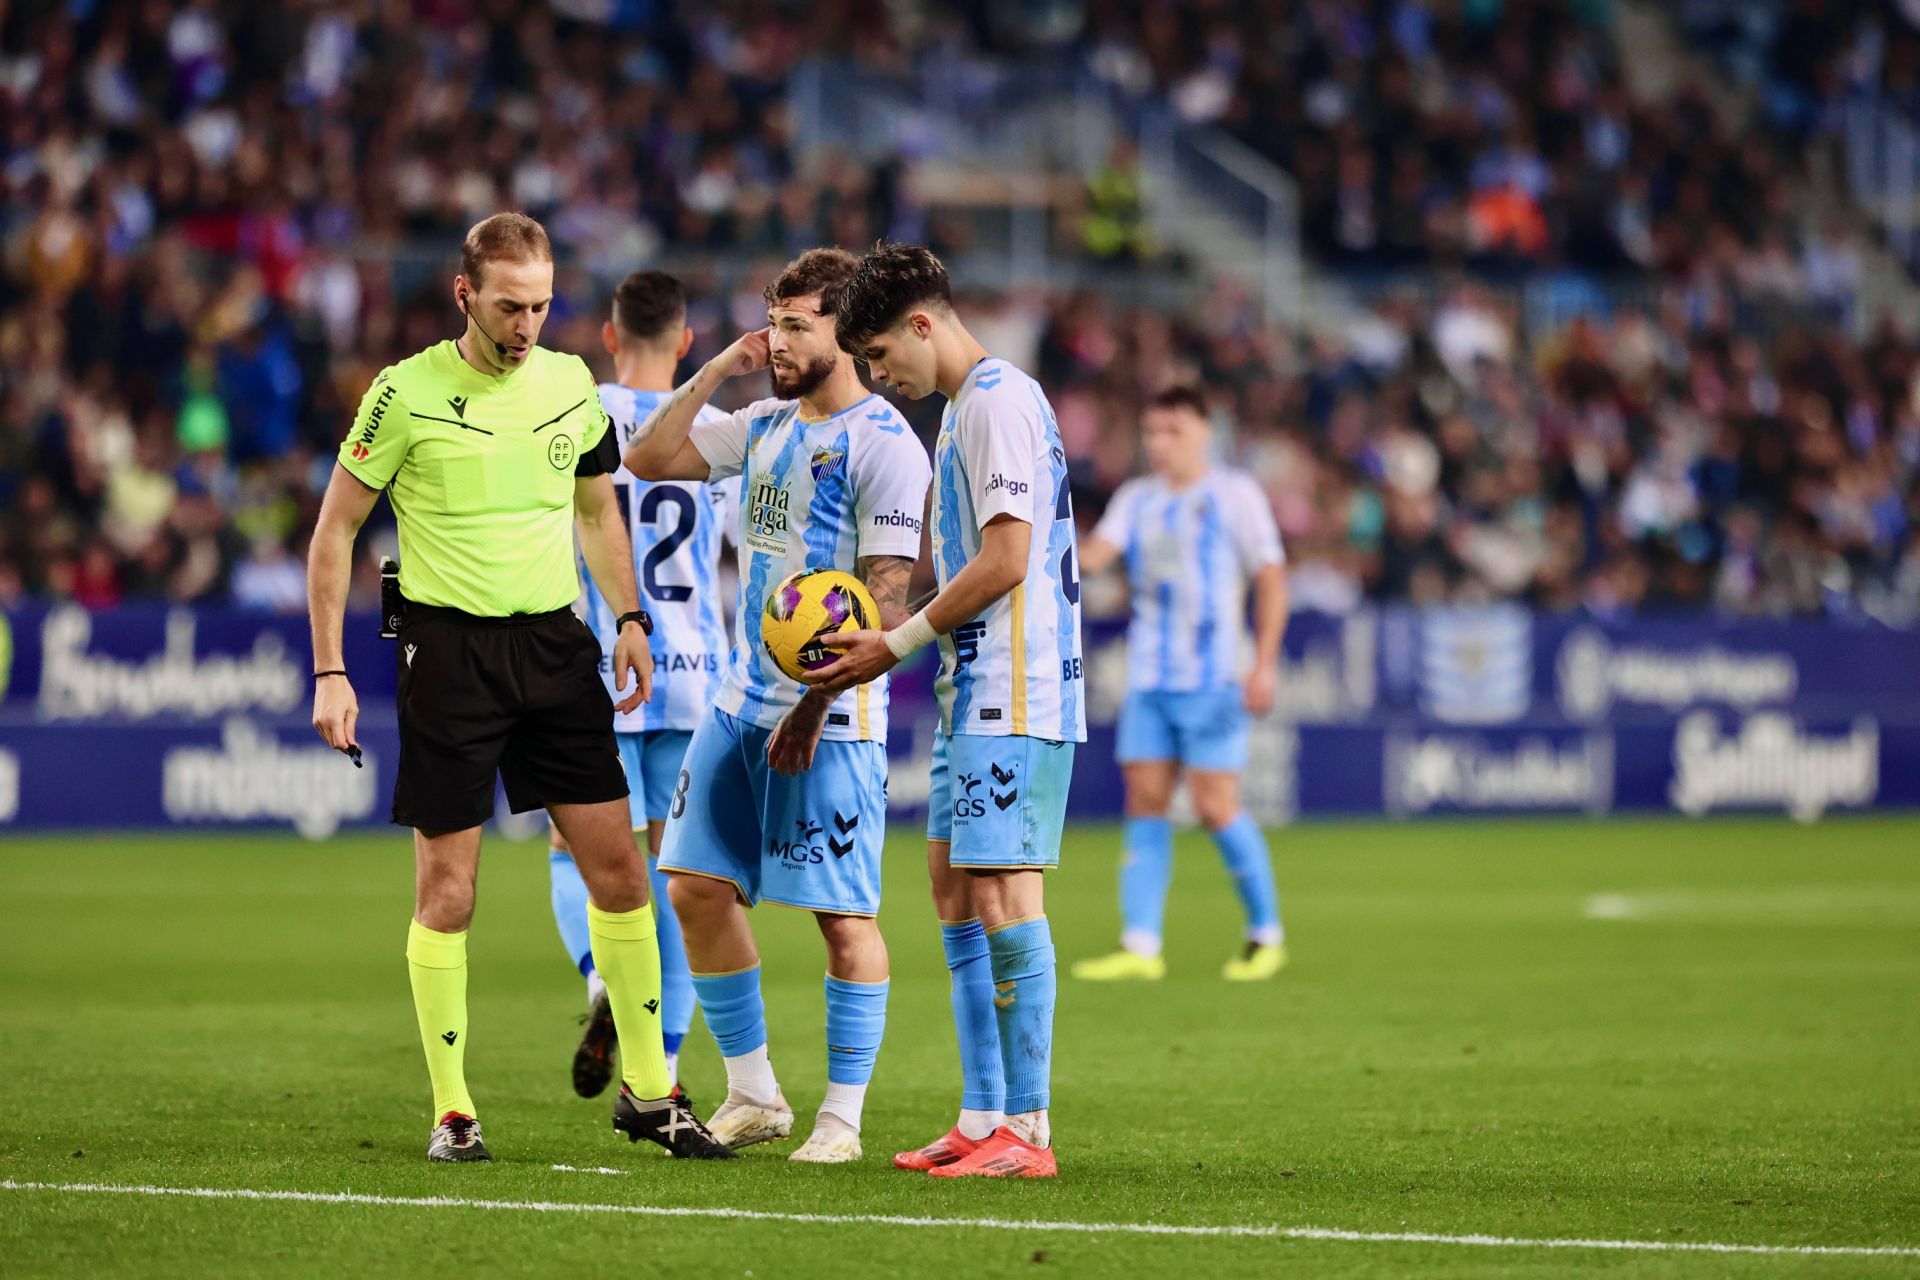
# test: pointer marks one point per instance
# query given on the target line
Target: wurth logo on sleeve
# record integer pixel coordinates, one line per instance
(372, 428)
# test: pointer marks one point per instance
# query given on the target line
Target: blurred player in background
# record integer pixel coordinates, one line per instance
(676, 529)
(783, 794)
(1191, 535)
(1011, 698)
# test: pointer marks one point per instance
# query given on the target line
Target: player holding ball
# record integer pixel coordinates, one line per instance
(783, 794)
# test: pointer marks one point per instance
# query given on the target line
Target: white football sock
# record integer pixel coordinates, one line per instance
(1031, 1126)
(595, 987)
(1266, 935)
(673, 1067)
(844, 1102)
(976, 1125)
(750, 1078)
(1141, 942)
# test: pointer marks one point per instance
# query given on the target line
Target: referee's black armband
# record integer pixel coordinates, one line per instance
(601, 460)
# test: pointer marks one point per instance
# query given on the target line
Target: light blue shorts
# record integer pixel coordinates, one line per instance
(652, 761)
(999, 802)
(811, 842)
(1202, 730)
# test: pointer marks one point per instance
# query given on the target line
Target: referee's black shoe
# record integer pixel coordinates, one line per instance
(593, 1060)
(668, 1122)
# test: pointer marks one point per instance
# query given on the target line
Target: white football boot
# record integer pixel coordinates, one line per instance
(739, 1123)
(833, 1141)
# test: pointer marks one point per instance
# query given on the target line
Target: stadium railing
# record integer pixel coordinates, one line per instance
(1208, 196)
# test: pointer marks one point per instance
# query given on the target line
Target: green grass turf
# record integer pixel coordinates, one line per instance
(1455, 1049)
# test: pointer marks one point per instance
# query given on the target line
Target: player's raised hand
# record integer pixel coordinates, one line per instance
(630, 653)
(864, 656)
(1262, 691)
(336, 712)
(748, 353)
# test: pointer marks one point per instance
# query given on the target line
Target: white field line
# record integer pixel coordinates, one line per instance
(981, 1224)
(1786, 905)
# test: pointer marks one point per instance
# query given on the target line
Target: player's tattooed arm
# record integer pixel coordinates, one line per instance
(887, 578)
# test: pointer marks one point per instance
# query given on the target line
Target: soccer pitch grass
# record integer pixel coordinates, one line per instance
(1654, 1032)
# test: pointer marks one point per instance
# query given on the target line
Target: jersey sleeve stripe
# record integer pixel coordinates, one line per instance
(861, 714)
(1020, 659)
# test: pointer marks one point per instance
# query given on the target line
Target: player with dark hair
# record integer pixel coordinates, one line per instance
(1007, 619)
(675, 529)
(1194, 536)
(783, 794)
(494, 452)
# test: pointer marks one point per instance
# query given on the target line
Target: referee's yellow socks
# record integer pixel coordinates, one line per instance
(627, 957)
(437, 964)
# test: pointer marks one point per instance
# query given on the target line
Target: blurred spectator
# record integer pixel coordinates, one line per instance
(211, 220)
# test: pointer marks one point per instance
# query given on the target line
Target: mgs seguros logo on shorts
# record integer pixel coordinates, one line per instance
(801, 852)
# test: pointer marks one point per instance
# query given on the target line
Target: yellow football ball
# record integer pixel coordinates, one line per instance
(808, 605)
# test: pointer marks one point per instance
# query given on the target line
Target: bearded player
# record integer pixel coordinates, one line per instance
(783, 794)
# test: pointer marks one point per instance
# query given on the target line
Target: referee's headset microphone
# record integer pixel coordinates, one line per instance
(466, 305)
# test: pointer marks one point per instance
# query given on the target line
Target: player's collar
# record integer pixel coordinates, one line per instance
(800, 413)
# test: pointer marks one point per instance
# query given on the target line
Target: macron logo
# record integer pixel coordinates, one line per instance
(1014, 487)
(897, 520)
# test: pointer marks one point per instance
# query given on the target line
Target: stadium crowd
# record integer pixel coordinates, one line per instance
(187, 323)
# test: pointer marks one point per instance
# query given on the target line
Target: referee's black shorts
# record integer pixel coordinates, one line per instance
(521, 696)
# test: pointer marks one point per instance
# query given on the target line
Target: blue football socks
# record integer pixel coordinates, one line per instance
(733, 1008)
(1243, 847)
(982, 1086)
(569, 898)
(856, 1020)
(1146, 869)
(1024, 986)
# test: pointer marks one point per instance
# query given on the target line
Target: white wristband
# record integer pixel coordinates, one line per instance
(915, 633)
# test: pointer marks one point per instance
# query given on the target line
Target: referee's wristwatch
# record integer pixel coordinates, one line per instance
(638, 615)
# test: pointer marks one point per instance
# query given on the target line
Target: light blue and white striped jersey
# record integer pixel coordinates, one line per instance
(816, 495)
(1189, 553)
(676, 528)
(1015, 669)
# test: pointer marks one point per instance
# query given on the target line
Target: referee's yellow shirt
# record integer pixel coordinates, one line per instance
(480, 471)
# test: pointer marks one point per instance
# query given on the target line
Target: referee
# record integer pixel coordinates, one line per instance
(493, 453)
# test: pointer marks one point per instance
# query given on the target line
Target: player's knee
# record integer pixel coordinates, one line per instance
(697, 897)
(1146, 806)
(1149, 791)
(1216, 810)
(952, 904)
(444, 903)
(620, 889)
(855, 949)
